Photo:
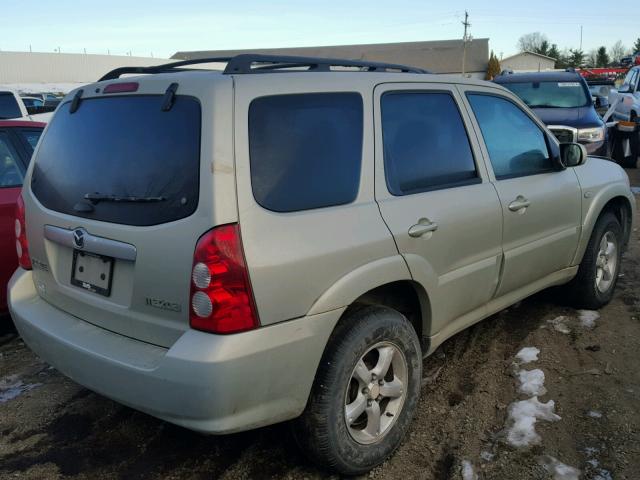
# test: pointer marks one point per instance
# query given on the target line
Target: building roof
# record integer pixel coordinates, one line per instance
(549, 76)
(444, 56)
(527, 52)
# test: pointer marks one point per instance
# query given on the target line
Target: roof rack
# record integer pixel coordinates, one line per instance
(254, 63)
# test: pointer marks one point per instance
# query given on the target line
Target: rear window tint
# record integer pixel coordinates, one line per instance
(305, 150)
(126, 147)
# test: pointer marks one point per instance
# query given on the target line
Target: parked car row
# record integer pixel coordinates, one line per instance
(228, 250)
(32, 107)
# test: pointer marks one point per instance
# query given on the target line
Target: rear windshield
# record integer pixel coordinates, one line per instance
(139, 164)
(9, 106)
(570, 94)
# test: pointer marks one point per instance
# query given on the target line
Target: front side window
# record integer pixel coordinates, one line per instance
(10, 174)
(515, 143)
(305, 150)
(425, 143)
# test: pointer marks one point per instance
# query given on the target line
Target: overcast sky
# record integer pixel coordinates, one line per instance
(162, 27)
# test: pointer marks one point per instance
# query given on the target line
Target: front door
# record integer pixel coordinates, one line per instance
(541, 206)
(435, 197)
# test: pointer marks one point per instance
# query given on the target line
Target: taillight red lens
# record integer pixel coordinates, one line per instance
(22, 246)
(221, 296)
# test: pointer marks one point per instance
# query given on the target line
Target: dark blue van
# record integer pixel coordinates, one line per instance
(561, 99)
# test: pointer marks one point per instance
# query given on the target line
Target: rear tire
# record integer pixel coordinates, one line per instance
(355, 417)
(594, 285)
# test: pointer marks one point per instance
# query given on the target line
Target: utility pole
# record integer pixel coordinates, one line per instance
(466, 38)
(580, 37)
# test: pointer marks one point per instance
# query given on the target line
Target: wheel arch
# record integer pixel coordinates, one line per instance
(614, 200)
(385, 282)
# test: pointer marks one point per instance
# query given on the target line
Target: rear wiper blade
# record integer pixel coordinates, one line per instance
(107, 197)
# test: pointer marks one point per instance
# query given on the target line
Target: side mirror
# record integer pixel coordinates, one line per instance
(572, 154)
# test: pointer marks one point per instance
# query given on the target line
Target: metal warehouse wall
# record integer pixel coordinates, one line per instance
(25, 67)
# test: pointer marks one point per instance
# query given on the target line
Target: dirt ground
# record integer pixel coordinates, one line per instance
(52, 428)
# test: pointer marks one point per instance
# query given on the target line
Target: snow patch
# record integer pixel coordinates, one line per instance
(559, 470)
(603, 474)
(560, 324)
(588, 318)
(486, 456)
(532, 382)
(523, 416)
(594, 414)
(467, 471)
(527, 355)
(11, 387)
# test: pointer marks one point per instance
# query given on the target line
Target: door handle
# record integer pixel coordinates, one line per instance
(423, 226)
(519, 203)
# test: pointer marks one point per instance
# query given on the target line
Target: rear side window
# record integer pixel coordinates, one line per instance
(10, 174)
(30, 137)
(9, 106)
(516, 145)
(425, 143)
(305, 149)
(144, 161)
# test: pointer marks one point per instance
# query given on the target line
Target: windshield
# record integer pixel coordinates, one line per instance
(551, 94)
(121, 147)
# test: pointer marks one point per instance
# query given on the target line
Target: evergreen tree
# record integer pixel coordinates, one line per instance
(602, 58)
(554, 52)
(543, 48)
(636, 46)
(576, 58)
(493, 69)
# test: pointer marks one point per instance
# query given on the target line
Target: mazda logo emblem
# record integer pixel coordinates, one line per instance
(78, 237)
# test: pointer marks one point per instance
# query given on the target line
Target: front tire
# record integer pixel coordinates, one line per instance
(365, 392)
(594, 285)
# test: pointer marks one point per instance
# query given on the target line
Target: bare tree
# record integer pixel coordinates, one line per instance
(532, 42)
(617, 51)
(591, 58)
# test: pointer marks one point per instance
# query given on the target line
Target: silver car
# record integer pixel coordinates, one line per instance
(288, 238)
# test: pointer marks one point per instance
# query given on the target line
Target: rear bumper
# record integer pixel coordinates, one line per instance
(204, 382)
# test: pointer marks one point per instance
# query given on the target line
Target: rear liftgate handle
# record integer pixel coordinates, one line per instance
(423, 227)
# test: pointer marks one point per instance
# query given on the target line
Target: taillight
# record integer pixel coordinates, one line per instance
(221, 296)
(22, 246)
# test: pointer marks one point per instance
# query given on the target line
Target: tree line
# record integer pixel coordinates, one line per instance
(569, 57)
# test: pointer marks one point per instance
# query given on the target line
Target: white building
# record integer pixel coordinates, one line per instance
(528, 62)
(26, 71)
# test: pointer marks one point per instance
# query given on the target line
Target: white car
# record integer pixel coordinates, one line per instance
(627, 97)
(12, 106)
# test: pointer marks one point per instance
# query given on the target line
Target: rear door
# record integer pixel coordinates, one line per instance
(541, 206)
(435, 196)
(120, 191)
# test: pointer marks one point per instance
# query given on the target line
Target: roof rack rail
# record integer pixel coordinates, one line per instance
(255, 63)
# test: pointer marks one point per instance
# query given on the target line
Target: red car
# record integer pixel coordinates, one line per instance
(17, 141)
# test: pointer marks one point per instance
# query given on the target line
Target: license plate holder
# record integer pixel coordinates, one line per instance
(92, 272)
